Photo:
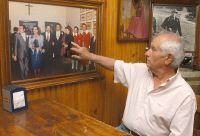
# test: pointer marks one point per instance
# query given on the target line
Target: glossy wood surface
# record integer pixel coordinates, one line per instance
(47, 118)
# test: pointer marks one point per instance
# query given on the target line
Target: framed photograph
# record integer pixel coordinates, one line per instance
(89, 25)
(94, 15)
(133, 20)
(89, 16)
(28, 25)
(94, 24)
(179, 19)
(82, 10)
(39, 51)
(83, 17)
(52, 25)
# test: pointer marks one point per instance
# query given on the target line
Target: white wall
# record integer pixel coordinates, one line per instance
(43, 13)
(73, 16)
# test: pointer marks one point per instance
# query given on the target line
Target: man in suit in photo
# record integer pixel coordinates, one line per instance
(172, 23)
(21, 53)
(48, 50)
(58, 39)
(86, 38)
(14, 64)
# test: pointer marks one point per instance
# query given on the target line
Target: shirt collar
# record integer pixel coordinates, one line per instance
(169, 80)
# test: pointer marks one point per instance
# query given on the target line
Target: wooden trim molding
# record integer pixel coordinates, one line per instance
(70, 79)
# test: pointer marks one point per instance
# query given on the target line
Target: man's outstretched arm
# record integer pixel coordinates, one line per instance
(82, 53)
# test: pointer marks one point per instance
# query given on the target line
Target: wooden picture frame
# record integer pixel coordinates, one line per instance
(133, 20)
(50, 79)
(180, 19)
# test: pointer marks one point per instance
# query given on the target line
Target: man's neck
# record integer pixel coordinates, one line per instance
(164, 73)
(161, 76)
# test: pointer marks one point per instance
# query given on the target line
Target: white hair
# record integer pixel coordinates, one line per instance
(175, 49)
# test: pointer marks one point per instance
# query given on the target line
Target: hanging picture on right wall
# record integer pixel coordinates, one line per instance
(179, 19)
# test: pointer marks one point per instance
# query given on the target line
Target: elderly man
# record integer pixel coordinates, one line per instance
(159, 101)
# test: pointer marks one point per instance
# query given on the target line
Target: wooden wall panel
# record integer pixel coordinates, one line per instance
(86, 97)
(3, 35)
(198, 38)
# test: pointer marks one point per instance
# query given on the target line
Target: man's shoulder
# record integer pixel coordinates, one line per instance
(184, 87)
(136, 66)
(17, 34)
(177, 19)
(167, 18)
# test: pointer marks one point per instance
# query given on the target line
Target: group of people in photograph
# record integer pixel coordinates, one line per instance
(48, 53)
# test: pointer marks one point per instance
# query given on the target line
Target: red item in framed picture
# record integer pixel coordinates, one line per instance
(133, 20)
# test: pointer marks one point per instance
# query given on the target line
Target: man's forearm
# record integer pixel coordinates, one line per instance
(104, 61)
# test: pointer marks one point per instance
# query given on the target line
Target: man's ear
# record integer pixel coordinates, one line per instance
(169, 59)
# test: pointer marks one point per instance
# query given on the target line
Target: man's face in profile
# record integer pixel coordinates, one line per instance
(155, 59)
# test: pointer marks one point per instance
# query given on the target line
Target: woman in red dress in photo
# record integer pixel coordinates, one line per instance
(86, 37)
(78, 40)
(137, 25)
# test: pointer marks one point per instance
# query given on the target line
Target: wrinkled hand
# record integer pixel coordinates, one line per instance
(81, 53)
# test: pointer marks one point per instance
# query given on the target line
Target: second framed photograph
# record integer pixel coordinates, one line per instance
(133, 20)
(179, 19)
(40, 42)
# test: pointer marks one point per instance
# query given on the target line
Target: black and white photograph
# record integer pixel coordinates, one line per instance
(177, 19)
(40, 41)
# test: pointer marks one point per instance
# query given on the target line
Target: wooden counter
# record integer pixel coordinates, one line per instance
(49, 118)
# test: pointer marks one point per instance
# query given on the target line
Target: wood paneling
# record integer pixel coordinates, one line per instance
(86, 97)
(3, 41)
(198, 38)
